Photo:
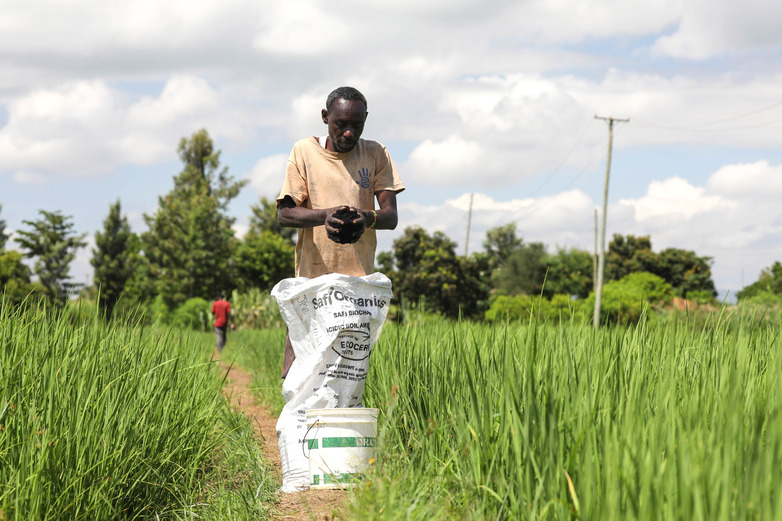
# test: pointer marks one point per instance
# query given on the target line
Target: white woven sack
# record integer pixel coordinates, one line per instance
(333, 321)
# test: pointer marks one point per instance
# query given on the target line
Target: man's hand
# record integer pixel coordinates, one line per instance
(344, 224)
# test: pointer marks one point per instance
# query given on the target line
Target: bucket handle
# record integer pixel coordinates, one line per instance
(304, 441)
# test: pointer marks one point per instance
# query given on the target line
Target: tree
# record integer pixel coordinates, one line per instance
(140, 286)
(263, 260)
(625, 299)
(427, 267)
(523, 272)
(264, 218)
(770, 281)
(685, 271)
(500, 242)
(629, 255)
(3, 236)
(15, 283)
(682, 269)
(112, 258)
(53, 242)
(569, 273)
(190, 242)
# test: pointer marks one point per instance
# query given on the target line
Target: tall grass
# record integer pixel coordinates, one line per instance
(105, 421)
(261, 353)
(539, 421)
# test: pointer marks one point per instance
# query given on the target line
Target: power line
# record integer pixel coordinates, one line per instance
(562, 163)
(698, 126)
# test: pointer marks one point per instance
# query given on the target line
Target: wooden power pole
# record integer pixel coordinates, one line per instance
(594, 259)
(469, 218)
(601, 260)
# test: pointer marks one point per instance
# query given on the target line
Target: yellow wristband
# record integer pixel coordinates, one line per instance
(373, 220)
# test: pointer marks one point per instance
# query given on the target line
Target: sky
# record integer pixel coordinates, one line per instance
(497, 102)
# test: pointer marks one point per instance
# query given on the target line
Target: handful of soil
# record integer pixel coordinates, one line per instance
(347, 232)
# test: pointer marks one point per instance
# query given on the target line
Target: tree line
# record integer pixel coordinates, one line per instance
(190, 251)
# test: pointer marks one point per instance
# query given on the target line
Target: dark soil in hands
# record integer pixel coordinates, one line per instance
(347, 232)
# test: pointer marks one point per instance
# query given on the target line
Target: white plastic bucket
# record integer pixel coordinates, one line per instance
(341, 442)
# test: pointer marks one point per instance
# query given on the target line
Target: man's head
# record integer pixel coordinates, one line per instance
(345, 114)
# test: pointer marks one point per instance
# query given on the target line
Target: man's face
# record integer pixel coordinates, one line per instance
(345, 120)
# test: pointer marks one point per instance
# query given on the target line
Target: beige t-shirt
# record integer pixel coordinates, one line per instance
(317, 178)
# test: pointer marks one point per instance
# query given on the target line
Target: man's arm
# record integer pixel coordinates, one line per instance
(291, 215)
(387, 217)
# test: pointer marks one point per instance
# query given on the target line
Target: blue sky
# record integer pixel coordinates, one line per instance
(492, 98)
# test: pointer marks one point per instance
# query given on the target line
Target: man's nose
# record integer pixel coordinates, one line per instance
(348, 132)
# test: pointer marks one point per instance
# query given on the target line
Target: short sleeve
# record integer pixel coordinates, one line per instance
(387, 177)
(295, 182)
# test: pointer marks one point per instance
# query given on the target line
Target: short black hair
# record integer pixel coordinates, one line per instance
(346, 93)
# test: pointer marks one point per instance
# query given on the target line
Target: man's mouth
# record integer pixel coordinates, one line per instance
(346, 144)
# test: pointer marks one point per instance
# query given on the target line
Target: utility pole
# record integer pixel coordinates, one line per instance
(594, 259)
(602, 257)
(469, 218)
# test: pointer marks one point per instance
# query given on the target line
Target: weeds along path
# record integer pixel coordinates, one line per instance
(312, 505)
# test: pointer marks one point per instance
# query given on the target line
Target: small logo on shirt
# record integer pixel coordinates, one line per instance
(364, 175)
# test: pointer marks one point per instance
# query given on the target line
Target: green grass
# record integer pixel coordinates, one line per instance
(537, 421)
(260, 353)
(665, 420)
(115, 421)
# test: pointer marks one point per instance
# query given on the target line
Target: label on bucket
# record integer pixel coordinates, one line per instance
(341, 442)
(334, 479)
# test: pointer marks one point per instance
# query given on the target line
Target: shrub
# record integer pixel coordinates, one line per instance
(519, 307)
(623, 300)
(255, 309)
(158, 311)
(193, 314)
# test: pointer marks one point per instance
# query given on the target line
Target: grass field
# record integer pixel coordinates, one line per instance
(665, 420)
(113, 421)
(536, 421)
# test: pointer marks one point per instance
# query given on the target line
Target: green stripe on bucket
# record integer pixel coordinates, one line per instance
(329, 479)
(345, 477)
(312, 444)
(350, 441)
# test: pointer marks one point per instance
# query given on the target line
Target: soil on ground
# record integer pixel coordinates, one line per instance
(311, 505)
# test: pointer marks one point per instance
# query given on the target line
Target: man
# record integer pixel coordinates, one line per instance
(221, 310)
(330, 173)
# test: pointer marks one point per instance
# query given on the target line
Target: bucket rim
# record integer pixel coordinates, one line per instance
(343, 411)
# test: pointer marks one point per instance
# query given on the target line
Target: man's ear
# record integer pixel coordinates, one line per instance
(325, 115)
(365, 116)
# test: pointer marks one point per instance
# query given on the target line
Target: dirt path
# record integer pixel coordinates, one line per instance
(312, 505)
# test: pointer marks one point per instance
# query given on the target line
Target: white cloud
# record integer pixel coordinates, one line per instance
(451, 160)
(306, 28)
(87, 128)
(756, 181)
(266, 176)
(709, 28)
(674, 199)
(25, 177)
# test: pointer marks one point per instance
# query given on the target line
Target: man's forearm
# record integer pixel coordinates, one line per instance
(300, 217)
(387, 218)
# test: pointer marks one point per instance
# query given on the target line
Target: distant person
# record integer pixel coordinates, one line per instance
(338, 172)
(221, 310)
